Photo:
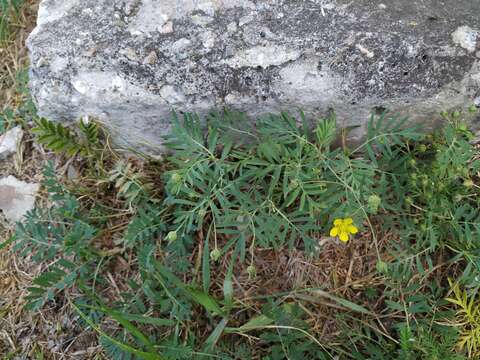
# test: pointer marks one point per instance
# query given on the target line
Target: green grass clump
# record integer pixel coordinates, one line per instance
(9, 12)
(192, 229)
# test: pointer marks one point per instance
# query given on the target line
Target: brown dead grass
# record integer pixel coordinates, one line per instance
(51, 334)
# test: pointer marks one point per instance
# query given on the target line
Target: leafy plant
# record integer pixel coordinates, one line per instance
(59, 138)
(223, 200)
(467, 319)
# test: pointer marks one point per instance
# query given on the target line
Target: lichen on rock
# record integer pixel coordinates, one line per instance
(131, 62)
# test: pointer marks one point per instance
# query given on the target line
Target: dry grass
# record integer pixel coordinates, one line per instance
(14, 56)
(52, 333)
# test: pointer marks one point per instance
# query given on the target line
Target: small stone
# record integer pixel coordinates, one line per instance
(42, 62)
(91, 52)
(208, 40)
(167, 28)
(10, 141)
(369, 54)
(16, 197)
(476, 102)
(131, 54)
(201, 20)
(382, 6)
(466, 37)
(245, 20)
(232, 27)
(181, 45)
(151, 59)
(80, 86)
(172, 94)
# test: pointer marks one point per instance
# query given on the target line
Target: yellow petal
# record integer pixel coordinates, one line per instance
(343, 236)
(338, 222)
(352, 229)
(348, 221)
(334, 232)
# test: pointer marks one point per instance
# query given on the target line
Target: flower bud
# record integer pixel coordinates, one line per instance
(176, 177)
(215, 254)
(252, 271)
(172, 236)
(374, 202)
(382, 267)
(468, 183)
(294, 184)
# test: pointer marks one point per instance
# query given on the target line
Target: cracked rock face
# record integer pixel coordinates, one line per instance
(130, 62)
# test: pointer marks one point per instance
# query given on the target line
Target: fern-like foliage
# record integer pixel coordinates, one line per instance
(62, 139)
(468, 319)
(56, 137)
(46, 286)
(59, 232)
(283, 186)
(131, 184)
(145, 226)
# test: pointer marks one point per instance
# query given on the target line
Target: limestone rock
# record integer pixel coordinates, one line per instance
(16, 197)
(10, 141)
(152, 56)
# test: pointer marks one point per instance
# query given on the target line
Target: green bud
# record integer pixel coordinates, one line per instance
(468, 183)
(444, 114)
(472, 109)
(202, 212)
(172, 236)
(409, 200)
(458, 198)
(462, 127)
(252, 271)
(294, 184)
(413, 176)
(374, 202)
(425, 182)
(456, 114)
(215, 254)
(176, 177)
(412, 162)
(422, 148)
(382, 267)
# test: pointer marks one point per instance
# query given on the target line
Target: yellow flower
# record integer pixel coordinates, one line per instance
(343, 228)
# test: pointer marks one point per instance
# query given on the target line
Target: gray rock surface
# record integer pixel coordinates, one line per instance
(10, 141)
(130, 62)
(16, 197)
